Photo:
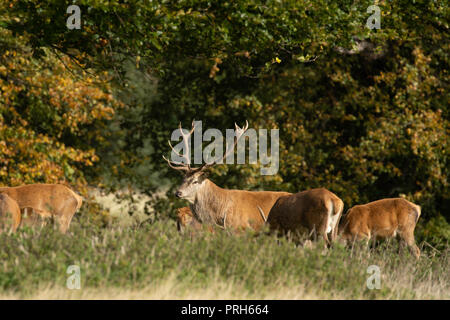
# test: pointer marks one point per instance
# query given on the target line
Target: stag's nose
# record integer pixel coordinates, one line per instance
(178, 194)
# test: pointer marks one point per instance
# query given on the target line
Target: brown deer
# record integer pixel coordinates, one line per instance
(215, 206)
(386, 218)
(186, 219)
(47, 200)
(317, 211)
(9, 213)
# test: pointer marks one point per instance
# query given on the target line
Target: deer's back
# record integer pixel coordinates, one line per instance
(304, 209)
(41, 196)
(383, 216)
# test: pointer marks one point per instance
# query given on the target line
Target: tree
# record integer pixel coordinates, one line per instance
(52, 115)
(362, 112)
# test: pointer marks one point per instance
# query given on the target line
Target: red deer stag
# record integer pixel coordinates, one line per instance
(385, 218)
(213, 205)
(9, 213)
(47, 200)
(316, 210)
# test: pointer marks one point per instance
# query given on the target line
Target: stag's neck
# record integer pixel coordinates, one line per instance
(212, 204)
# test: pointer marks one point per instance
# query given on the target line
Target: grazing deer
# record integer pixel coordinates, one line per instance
(316, 210)
(386, 218)
(9, 213)
(47, 200)
(186, 219)
(213, 205)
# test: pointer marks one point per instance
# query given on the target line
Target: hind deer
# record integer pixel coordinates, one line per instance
(47, 200)
(386, 218)
(213, 205)
(186, 219)
(186, 222)
(316, 210)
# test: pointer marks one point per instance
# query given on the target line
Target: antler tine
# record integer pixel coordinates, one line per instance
(190, 132)
(180, 167)
(187, 156)
(239, 133)
(186, 167)
(173, 149)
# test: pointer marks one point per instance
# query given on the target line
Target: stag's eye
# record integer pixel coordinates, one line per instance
(195, 182)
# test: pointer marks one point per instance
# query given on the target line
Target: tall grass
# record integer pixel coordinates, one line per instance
(155, 261)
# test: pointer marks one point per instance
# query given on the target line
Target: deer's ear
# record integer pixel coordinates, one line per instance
(203, 176)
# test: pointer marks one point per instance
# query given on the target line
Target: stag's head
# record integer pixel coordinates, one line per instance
(191, 185)
(195, 178)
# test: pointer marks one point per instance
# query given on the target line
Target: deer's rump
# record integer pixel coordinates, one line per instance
(316, 210)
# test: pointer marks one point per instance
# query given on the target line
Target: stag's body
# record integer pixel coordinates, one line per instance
(386, 218)
(48, 200)
(316, 210)
(212, 205)
(9, 212)
(237, 209)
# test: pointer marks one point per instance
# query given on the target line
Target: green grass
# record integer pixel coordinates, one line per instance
(138, 259)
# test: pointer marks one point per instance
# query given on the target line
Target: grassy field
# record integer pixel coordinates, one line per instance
(154, 261)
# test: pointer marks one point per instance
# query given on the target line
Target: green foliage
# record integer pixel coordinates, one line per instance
(144, 256)
(435, 232)
(365, 125)
(51, 118)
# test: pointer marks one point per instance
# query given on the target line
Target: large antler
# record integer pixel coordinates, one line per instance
(239, 132)
(187, 156)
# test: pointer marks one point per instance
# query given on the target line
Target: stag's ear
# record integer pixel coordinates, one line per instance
(203, 176)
